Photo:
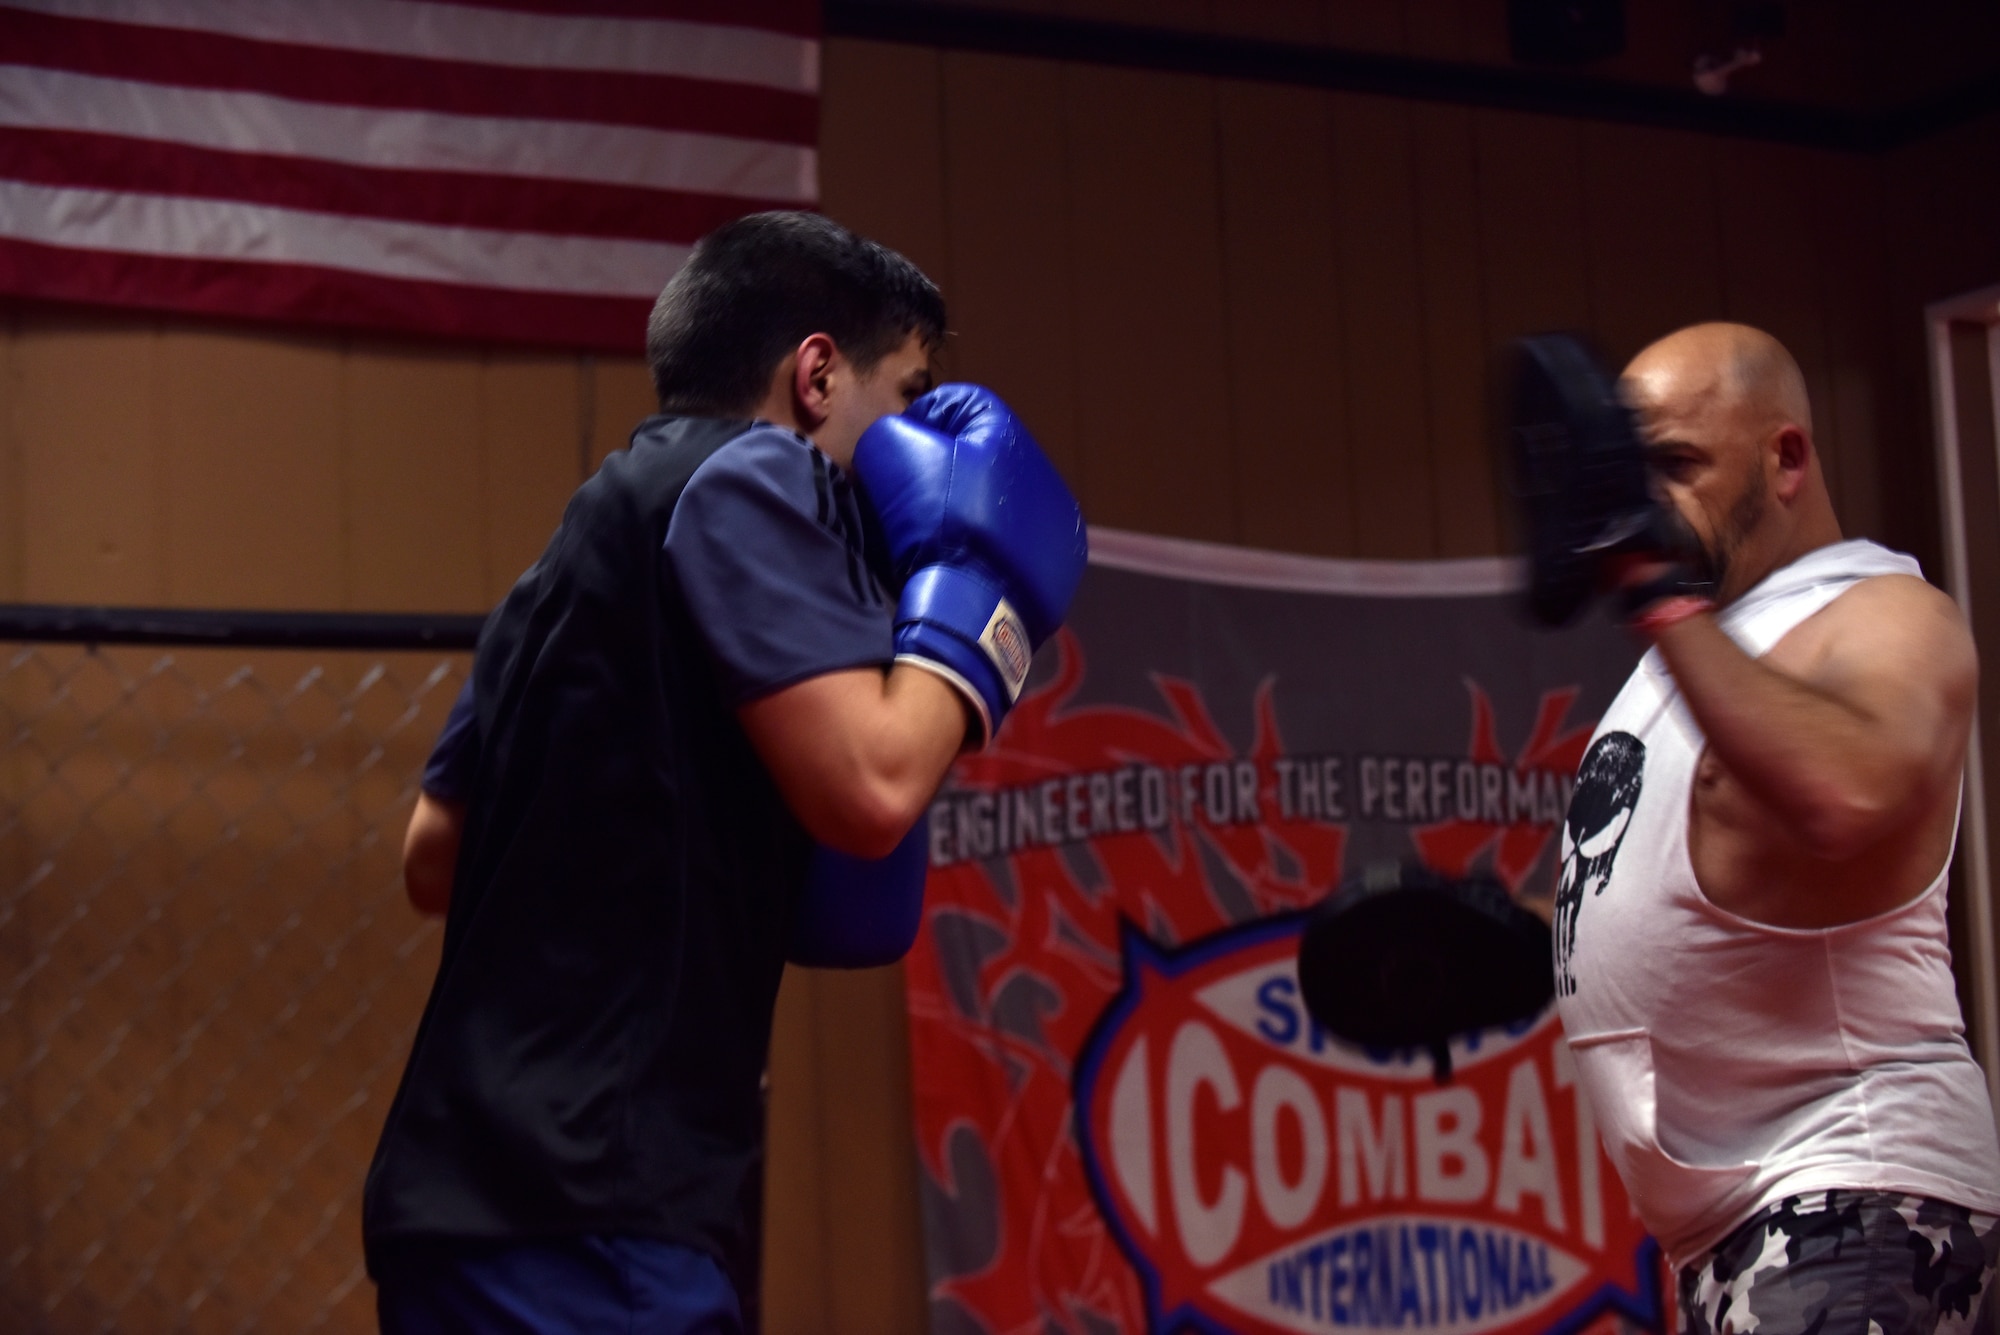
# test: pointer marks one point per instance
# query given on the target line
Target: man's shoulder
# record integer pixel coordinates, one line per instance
(681, 444)
(760, 448)
(1892, 625)
(767, 471)
(1893, 604)
(663, 457)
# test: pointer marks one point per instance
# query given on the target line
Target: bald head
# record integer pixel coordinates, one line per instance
(1734, 368)
(1728, 430)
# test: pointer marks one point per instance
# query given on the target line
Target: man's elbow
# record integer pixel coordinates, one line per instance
(430, 853)
(1840, 824)
(428, 889)
(871, 819)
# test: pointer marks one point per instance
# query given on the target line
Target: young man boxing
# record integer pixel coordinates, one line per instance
(701, 729)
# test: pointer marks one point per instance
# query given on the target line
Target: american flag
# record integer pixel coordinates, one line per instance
(492, 170)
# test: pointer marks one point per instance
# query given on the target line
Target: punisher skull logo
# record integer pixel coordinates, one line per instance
(1600, 810)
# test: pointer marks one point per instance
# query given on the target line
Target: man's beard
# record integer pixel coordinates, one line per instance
(1710, 560)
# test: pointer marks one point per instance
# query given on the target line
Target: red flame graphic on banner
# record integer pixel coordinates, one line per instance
(1453, 846)
(1020, 957)
(1055, 963)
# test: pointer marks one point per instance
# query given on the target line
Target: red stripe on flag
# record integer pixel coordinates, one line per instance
(800, 18)
(410, 83)
(327, 297)
(452, 199)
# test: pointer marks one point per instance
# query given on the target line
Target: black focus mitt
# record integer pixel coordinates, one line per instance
(1580, 476)
(1403, 957)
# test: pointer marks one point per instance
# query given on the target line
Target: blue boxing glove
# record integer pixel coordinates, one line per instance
(987, 540)
(857, 914)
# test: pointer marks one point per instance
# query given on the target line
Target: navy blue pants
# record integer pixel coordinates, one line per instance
(559, 1286)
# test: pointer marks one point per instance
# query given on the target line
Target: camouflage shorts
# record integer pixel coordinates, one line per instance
(1845, 1263)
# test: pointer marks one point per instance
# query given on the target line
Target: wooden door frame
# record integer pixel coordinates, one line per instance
(1978, 308)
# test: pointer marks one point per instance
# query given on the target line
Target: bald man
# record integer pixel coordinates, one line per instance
(1752, 968)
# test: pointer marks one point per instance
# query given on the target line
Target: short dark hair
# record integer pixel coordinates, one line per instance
(755, 288)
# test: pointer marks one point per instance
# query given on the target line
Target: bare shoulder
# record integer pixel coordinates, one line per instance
(1899, 624)
(1899, 605)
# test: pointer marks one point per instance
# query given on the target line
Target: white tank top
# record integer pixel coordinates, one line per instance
(1730, 1064)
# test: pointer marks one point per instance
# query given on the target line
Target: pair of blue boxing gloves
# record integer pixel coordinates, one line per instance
(989, 545)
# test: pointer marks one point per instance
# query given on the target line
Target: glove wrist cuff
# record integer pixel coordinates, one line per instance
(954, 621)
(1660, 615)
(971, 607)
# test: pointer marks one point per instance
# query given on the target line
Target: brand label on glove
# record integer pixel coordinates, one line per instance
(1005, 641)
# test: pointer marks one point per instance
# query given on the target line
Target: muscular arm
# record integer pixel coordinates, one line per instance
(858, 754)
(1863, 735)
(765, 548)
(430, 852)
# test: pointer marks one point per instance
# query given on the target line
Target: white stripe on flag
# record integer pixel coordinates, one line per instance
(487, 36)
(217, 230)
(707, 164)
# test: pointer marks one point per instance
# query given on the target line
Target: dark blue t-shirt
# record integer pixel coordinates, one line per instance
(590, 1056)
(448, 772)
(767, 545)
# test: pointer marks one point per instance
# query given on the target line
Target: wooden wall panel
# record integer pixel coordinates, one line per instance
(1461, 30)
(881, 136)
(1467, 494)
(13, 500)
(12, 490)
(1151, 13)
(797, 1289)
(1301, 21)
(1366, 27)
(1288, 390)
(412, 494)
(1381, 327)
(1534, 269)
(873, 1229)
(1531, 220)
(84, 406)
(1006, 196)
(617, 396)
(1771, 266)
(1145, 234)
(843, 1251)
(1653, 234)
(1941, 203)
(535, 448)
(20, 1213)
(251, 470)
(1850, 425)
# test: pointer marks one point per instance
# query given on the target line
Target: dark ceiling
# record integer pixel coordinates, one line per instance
(1850, 74)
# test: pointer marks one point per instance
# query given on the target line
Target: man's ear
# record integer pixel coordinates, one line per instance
(813, 367)
(1793, 450)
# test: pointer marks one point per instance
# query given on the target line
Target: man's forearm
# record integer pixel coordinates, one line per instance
(928, 726)
(859, 753)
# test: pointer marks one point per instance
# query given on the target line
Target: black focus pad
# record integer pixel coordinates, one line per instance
(1402, 957)
(1579, 473)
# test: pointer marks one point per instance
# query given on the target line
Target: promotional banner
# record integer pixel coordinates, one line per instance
(1126, 1120)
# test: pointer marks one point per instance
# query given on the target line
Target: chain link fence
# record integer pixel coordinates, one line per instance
(209, 976)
